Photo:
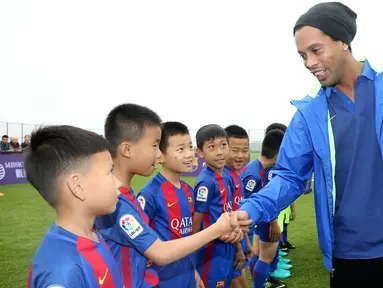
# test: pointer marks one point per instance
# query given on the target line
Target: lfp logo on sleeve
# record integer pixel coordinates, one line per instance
(131, 226)
(202, 194)
(250, 185)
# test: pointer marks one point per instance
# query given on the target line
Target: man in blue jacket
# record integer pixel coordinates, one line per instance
(337, 134)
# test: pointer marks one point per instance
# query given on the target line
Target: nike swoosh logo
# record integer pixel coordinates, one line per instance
(101, 280)
(171, 204)
(332, 117)
(236, 186)
(223, 190)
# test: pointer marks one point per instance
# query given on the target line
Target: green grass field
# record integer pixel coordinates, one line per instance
(25, 217)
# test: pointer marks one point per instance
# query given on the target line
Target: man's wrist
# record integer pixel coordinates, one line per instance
(252, 213)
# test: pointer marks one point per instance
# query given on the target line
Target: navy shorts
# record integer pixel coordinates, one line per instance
(263, 231)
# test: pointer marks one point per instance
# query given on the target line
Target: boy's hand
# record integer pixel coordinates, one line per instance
(275, 231)
(239, 259)
(238, 221)
(229, 233)
(250, 252)
(198, 280)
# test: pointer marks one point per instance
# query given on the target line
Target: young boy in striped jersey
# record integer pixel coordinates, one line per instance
(72, 169)
(213, 194)
(169, 203)
(237, 159)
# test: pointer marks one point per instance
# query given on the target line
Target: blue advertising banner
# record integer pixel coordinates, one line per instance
(12, 168)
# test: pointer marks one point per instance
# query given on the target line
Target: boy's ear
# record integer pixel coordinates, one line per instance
(125, 149)
(75, 186)
(199, 152)
(160, 158)
(275, 158)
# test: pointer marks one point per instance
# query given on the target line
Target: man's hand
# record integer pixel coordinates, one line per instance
(238, 222)
(275, 231)
(198, 280)
(228, 233)
(240, 218)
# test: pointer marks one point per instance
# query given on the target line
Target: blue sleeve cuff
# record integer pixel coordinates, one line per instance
(251, 211)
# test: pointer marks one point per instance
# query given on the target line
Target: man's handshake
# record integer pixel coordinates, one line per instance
(233, 225)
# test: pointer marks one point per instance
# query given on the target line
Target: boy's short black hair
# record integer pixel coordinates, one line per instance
(273, 126)
(209, 132)
(4, 136)
(271, 143)
(235, 131)
(127, 122)
(170, 129)
(55, 151)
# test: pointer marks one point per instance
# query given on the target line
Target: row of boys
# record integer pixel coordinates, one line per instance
(103, 236)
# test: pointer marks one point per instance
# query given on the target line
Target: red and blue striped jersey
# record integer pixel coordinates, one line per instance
(254, 179)
(67, 260)
(170, 210)
(213, 195)
(238, 195)
(128, 235)
(269, 173)
(151, 278)
(239, 188)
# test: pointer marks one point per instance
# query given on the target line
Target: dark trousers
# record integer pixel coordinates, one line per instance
(357, 273)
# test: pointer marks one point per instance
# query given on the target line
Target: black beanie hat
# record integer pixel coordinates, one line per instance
(333, 18)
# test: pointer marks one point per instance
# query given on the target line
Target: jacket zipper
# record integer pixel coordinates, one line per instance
(328, 210)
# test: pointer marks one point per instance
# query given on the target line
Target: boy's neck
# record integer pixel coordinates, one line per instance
(121, 173)
(266, 163)
(218, 171)
(236, 171)
(78, 223)
(171, 176)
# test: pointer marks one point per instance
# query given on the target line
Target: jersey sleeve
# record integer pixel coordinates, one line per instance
(148, 201)
(252, 184)
(58, 276)
(126, 227)
(203, 195)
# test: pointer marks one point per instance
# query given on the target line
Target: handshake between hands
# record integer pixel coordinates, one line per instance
(233, 225)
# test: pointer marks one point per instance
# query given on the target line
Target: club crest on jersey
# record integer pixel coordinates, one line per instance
(131, 226)
(142, 202)
(250, 185)
(190, 200)
(220, 284)
(194, 164)
(202, 194)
